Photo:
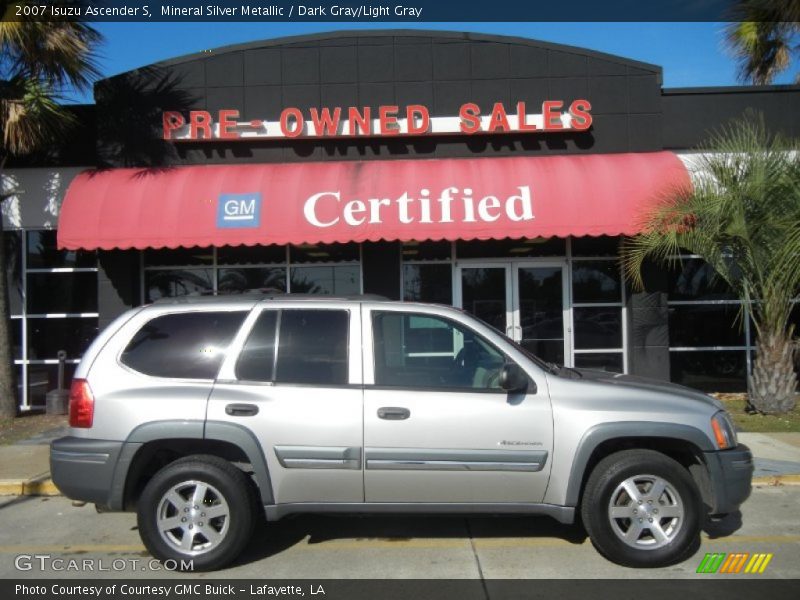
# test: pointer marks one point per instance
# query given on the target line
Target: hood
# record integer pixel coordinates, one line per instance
(640, 383)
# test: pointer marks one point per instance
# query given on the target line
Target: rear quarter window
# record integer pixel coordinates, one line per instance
(188, 345)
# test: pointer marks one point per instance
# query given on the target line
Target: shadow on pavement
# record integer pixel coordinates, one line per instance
(727, 525)
(9, 501)
(273, 538)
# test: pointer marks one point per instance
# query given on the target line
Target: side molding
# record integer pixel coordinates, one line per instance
(428, 459)
(562, 514)
(319, 457)
(626, 429)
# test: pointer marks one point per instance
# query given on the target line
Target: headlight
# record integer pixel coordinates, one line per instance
(724, 430)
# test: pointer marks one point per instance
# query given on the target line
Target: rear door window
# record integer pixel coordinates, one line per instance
(187, 345)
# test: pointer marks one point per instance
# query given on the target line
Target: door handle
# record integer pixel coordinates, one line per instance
(393, 413)
(241, 410)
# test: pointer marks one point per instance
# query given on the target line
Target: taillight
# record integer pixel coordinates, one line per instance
(81, 404)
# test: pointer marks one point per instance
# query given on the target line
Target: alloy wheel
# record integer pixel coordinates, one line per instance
(193, 517)
(646, 512)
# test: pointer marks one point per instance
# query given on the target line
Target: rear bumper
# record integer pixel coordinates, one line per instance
(83, 469)
(731, 476)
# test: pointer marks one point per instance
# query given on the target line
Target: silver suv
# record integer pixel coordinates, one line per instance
(206, 415)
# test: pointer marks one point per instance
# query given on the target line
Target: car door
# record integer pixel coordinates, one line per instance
(293, 377)
(437, 425)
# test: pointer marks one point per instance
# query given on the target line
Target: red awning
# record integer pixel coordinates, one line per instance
(325, 202)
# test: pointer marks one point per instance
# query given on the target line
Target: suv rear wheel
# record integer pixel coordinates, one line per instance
(642, 509)
(198, 508)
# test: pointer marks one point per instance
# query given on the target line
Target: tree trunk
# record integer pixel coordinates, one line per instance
(8, 389)
(773, 384)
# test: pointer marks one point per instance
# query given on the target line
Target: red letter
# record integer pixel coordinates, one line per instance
(417, 110)
(362, 120)
(581, 117)
(521, 116)
(199, 119)
(324, 124)
(387, 119)
(470, 121)
(172, 120)
(284, 122)
(227, 121)
(551, 111)
(498, 118)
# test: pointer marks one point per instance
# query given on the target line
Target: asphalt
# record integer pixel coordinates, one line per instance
(25, 465)
(396, 547)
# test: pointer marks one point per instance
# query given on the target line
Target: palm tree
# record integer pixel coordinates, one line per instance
(39, 62)
(743, 218)
(763, 37)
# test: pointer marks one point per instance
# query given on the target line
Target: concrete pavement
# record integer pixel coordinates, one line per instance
(25, 466)
(39, 536)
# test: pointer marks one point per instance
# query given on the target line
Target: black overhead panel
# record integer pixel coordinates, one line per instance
(441, 70)
(691, 115)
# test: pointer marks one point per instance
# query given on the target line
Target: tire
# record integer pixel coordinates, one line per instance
(647, 527)
(211, 538)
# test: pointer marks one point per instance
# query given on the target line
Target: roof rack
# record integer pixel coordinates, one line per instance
(261, 295)
(352, 297)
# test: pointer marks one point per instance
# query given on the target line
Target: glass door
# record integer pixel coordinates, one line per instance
(541, 317)
(484, 290)
(528, 301)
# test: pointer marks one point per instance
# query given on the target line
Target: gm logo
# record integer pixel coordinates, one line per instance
(239, 210)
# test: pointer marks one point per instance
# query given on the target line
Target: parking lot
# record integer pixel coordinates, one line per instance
(380, 547)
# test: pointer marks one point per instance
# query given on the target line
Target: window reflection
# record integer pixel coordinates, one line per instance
(428, 283)
(711, 371)
(180, 282)
(596, 281)
(270, 280)
(340, 280)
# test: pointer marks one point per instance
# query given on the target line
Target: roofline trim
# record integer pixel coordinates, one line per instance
(731, 89)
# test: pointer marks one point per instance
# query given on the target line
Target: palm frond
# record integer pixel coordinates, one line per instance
(32, 118)
(761, 36)
(61, 53)
(742, 217)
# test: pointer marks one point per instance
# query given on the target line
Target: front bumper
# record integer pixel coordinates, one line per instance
(731, 476)
(83, 469)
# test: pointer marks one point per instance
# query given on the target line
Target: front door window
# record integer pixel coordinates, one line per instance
(427, 351)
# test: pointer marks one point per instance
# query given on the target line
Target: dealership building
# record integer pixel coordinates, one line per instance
(492, 173)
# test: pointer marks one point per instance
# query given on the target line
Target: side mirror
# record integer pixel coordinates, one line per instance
(513, 378)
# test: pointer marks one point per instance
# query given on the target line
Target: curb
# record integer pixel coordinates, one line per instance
(28, 487)
(776, 480)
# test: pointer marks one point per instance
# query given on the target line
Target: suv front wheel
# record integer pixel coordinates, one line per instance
(642, 509)
(199, 509)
